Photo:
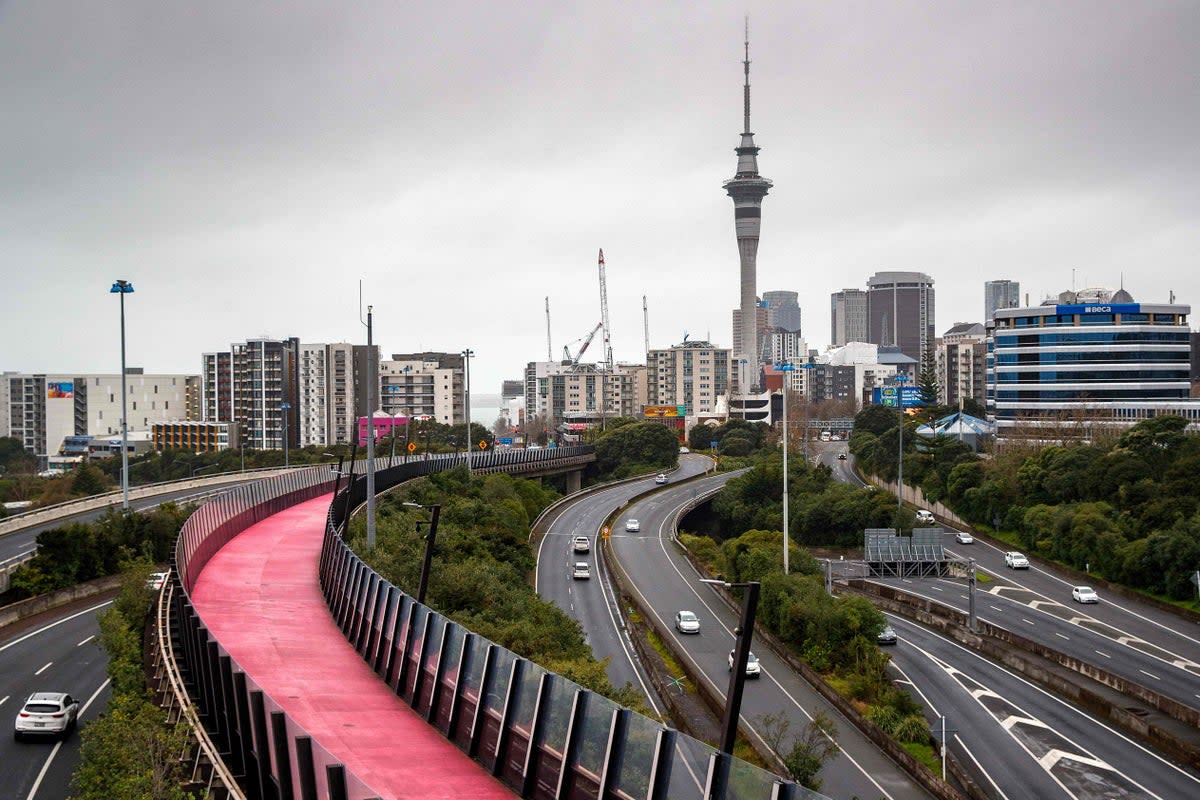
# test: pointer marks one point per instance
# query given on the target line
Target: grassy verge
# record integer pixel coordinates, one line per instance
(927, 754)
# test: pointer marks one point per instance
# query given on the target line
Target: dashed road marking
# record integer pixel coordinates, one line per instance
(1102, 653)
(1151, 674)
(1031, 622)
(1062, 636)
(43, 669)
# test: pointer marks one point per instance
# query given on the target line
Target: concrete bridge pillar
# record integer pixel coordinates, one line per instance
(574, 481)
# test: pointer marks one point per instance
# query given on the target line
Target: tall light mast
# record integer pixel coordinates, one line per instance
(646, 322)
(549, 349)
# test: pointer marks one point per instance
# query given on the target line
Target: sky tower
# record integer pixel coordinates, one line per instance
(747, 188)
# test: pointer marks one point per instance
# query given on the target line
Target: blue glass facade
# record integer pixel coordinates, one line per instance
(1124, 362)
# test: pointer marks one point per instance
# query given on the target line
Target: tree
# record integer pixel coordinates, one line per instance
(629, 448)
(87, 481)
(927, 380)
(804, 755)
(876, 419)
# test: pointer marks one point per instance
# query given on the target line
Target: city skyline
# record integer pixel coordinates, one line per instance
(245, 189)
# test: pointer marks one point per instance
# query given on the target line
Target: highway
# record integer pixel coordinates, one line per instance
(1020, 741)
(593, 602)
(60, 653)
(666, 583)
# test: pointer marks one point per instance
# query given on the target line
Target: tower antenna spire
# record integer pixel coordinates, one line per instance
(746, 87)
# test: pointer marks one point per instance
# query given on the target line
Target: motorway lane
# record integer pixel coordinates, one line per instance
(1031, 743)
(61, 654)
(667, 582)
(23, 542)
(1131, 639)
(1068, 629)
(593, 602)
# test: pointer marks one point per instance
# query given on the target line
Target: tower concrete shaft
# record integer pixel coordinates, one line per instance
(747, 188)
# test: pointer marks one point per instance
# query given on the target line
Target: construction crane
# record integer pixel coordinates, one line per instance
(608, 359)
(587, 340)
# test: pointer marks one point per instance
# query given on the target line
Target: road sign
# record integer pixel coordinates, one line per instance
(1196, 578)
(506, 440)
(604, 532)
(412, 447)
(483, 444)
(713, 444)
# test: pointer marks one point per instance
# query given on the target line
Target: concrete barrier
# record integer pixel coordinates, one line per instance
(23, 609)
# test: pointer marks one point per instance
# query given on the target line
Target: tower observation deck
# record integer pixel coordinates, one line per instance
(747, 188)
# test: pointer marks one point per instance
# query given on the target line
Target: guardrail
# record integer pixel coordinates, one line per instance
(263, 753)
(536, 731)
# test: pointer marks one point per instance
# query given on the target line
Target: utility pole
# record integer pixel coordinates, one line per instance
(370, 436)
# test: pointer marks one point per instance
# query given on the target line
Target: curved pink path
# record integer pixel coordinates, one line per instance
(261, 599)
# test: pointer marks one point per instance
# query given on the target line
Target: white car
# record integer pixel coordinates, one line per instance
(581, 544)
(581, 571)
(632, 525)
(962, 537)
(46, 714)
(1084, 594)
(1015, 560)
(753, 669)
(684, 451)
(660, 478)
(156, 581)
(687, 622)
(925, 517)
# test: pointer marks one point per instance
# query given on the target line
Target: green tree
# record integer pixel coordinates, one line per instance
(637, 447)
(88, 481)
(927, 380)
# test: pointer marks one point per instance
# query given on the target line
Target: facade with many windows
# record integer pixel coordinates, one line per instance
(1092, 358)
(424, 384)
(692, 374)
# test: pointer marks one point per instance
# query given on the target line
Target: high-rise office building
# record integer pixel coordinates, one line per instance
(999, 294)
(847, 317)
(762, 329)
(783, 310)
(1088, 358)
(900, 311)
(747, 189)
(961, 363)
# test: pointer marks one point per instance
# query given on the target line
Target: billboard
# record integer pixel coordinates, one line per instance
(60, 390)
(887, 396)
(664, 411)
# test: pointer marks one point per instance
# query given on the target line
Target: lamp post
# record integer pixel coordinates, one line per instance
(430, 538)
(786, 368)
(123, 288)
(741, 654)
(285, 408)
(466, 354)
(201, 469)
(807, 394)
(900, 379)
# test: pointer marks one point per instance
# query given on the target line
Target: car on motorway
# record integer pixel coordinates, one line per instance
(1015, 560)
(46, 714)
(753, 668)
(1084, 594)
(632, 525)
(962, 537)
(581, 571)
(887, 635)
(660, 478)
(684, 451)
(156, 580)
(581, 544)
(687, 622)
(841, 456)
(925, 517)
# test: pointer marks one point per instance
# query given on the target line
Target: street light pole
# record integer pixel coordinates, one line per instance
(786, 368)
(285, 407)
(123, 288)
(467, 401)
(741, 654)
(900, 379)
(370, 436)
(430, 538)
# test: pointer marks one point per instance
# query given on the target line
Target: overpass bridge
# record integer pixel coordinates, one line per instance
(533, 732)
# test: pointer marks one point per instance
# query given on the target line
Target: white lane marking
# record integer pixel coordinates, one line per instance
(996, 608)
(1102, 653)
(37, 782)
(979, 767)
(85, 641)
(43, 669)
(45, 628)
(936, 588)
(4, 699)
(1055, 699)
(1031, 622)
(1151, 674)
(1062, 636)
(691, 586)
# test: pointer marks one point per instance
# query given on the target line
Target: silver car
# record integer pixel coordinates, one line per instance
(46, 714)
(687, 622)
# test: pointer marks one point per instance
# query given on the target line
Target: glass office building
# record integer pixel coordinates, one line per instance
(1088, 359)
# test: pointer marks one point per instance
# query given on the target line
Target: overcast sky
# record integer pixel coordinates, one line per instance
(246, 164)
